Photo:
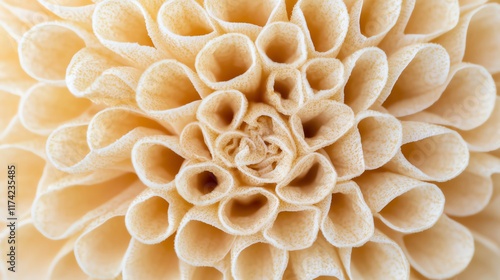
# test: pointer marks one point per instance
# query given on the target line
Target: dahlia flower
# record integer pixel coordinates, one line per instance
(238, 139)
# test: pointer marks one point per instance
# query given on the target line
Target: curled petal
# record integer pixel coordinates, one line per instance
(346, 155)
(322, 78)
(485, 137)
(402, 203)
(430, 153)
(80, 11)
(347, 221)
(284, 91)
(253, 258)
(484, 263)
(197, 142)
(223, 110)
(247, 210)
(201, 239)
(204, 183)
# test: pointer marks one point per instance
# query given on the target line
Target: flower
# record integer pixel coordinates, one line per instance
(216, 139)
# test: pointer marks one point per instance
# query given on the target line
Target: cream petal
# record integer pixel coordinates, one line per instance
(240, 16)
(311, 180)
(186, 28)
(80, 10)
(370, 21)
(126, 28)
(17, 136)
(170, 92)
(189, 272)
(204, 183)
(64, 264)
(485, 137)
(323, 78)
(101, 248)
(430, 153)
(281, 45)
(200, 239)
(471, 191)
(484, 264)
(389, 263)
(223, 110)
(247, 210)
(294, 228)
(346, 155)
(319, 261)
(156, 160)
(284, 91)
(228, 62)
(366, 73)
(417, 75)
(320, 123)
(442, 251)
(9, 111)
(154, 215)
(402, 203)
(466, 103)
(381, 135)
(421, 21)
(157, 261)
(45, 51)
(347, 221)
(324, 23)
(253, 258)
(101, 77)
(71, 204)
(197, 142)
(45, 107)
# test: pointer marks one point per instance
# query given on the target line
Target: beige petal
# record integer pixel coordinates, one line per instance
(223, 110)
(247, 17)
(186, 28)
(9, 109)
(125, 28)
(379, 258)
(471, 191)
(284, 91)
(323, 78)
(281, 45)
(247, 210)
(230, 62)
(347, 220)
(442, 251)
(60, 42)
(346, 155)
(366, 73)
(189, 272)
(13, 79)
(16, 135)
(486, 224)
(484, 264)
(204, 183)
(381, 135)
(170, 92)
(486, 137)
(421, 21)
(417, 75)
(17, 17)
(402, 203)
(319, 261)
(101, 248)
(64, 264)
(80, 10)
(324, 23)
(476, 38)
(33, 250)
(157, 261)
(197, 142)
(370, 21)
(466, 103)
(101, 77)
(466, 5)
(156, 160)
(320, 123)
(68, 207)
(311, 180)
(253, 258)
(154, 215)
(45, 107)
(294, 228)
(430, 153)
(27, 168)
(200, 239)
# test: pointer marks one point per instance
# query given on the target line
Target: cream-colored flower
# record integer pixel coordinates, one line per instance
(236, 139)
